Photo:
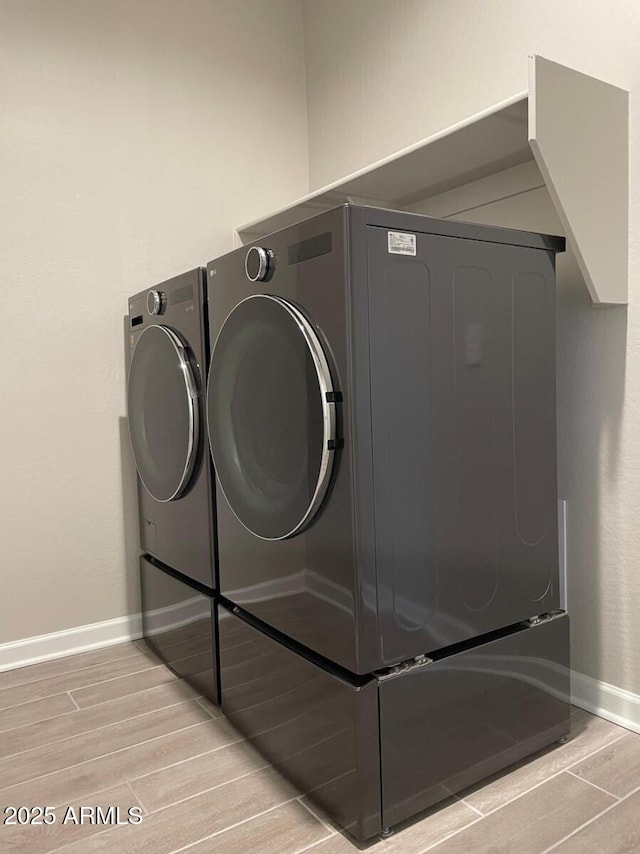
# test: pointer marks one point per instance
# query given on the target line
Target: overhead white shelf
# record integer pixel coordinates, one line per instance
(576, 129)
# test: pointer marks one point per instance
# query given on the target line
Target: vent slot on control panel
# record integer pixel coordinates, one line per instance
(182, 295)
(311, 248)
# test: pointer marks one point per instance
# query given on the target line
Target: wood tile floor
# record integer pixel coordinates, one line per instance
(114, 728)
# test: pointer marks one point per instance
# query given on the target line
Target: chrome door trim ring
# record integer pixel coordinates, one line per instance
(263, 263)
(323, 375)
(194, 421)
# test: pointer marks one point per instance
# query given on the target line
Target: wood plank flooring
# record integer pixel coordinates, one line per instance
(115, 728)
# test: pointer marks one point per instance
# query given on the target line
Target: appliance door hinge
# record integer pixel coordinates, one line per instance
(404, 667)
(544, 618)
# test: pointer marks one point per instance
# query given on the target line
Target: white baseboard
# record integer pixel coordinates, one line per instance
(27, 651)
(615, 704)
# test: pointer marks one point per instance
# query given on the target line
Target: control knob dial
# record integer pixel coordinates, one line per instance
(258, 264)
(156, 302)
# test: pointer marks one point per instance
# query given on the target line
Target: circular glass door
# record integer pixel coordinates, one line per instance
(164, 419)
(271, 417)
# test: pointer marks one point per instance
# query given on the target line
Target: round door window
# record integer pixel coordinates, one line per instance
(162, 397)
(271, 417)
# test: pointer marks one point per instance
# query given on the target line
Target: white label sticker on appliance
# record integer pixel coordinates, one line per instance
(401, 243)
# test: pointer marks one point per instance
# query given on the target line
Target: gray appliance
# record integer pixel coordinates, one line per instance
(179, 623)
(381, 416)
(167, 350)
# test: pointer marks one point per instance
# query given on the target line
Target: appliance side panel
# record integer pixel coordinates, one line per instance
(534, 405)
(448, 725)
(179, 625)
(401, 352)
(208, 474)
(464, 447)
(316, 729)
(358, 433)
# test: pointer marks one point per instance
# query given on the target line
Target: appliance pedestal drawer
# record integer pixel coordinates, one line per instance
(179, 623)
(451, 723)
(375, 750)
(316, 727)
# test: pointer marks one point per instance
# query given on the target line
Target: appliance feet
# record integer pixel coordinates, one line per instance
(386, 832)
(563, 739)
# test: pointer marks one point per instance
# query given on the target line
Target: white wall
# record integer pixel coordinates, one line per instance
(133, 137)
(382, 75)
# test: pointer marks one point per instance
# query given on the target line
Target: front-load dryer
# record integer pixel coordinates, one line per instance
(381, 414)
(167, 356)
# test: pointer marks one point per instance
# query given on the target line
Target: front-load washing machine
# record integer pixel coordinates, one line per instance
(167, 357)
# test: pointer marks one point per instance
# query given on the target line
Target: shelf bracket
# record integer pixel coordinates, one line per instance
(579, 136)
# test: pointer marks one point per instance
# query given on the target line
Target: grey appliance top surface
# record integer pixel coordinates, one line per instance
(425, 224)
(458, 228)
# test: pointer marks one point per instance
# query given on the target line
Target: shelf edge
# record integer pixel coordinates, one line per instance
(254, 225)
